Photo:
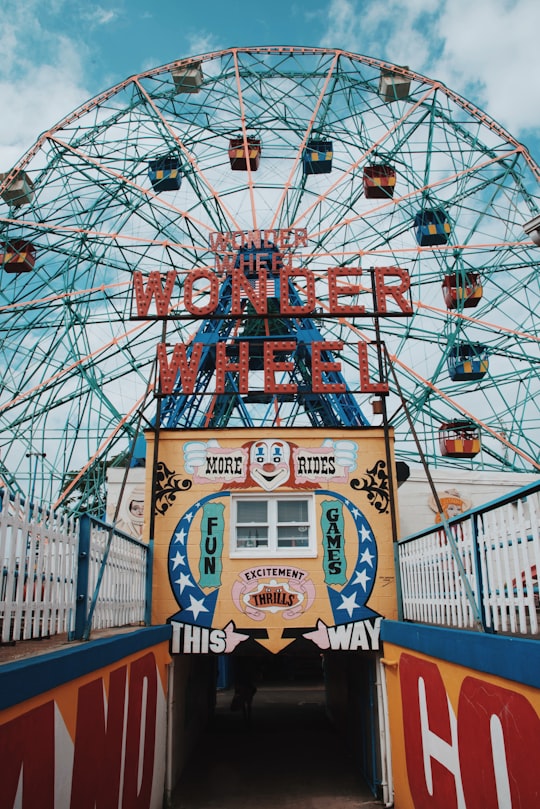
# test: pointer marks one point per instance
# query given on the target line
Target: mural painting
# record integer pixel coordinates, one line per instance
(453, 503)
(125, 500)
(279, 539)
(461, 738)
(97, 740)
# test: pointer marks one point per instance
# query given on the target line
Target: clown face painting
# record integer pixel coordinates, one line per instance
(269, 462)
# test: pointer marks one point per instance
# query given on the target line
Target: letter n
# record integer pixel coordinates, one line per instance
(141, 733)
(97, 759)
(27, 743)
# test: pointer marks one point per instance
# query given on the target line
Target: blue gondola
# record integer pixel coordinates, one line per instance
(467, 361)
(164, 173)
(317, 157)
(432, 227)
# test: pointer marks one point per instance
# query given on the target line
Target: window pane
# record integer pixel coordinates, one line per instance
(293, 536)
(251, 511)
(292, 511)
(251, 537)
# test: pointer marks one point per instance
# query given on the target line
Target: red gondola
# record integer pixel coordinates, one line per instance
(459, 439)
(17, 256)
(379, 181)
(238, 157)
(462, 291)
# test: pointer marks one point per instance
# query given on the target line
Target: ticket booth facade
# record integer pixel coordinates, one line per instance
(272, 539)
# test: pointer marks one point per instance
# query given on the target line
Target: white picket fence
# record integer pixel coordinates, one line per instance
(38, 554)
(41, 590)
(496, 550)
(122, 590)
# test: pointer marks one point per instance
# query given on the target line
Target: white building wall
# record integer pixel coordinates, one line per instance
(475, 488)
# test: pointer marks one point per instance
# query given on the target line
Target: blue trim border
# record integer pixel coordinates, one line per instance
(516, 659)
(27, 678)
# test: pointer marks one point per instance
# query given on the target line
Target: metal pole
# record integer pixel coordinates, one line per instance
(389, 464)
(33, 477)
(444, 522)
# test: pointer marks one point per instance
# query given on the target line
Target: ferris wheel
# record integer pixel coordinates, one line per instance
(367, 164)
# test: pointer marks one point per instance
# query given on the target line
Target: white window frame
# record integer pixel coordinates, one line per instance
(271, 550)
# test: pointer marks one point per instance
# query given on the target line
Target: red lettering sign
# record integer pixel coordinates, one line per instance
(212, 291)
(98, 744)
(334, 291)
(498, 731)
(224, 366)
(153, 289)
(272, 366)
(425, 721)
(179, 364)
(140, 733)
(27, 744)
(366, 385)
(320, 367)
(384, 290)
(483, 753)
(286, 273)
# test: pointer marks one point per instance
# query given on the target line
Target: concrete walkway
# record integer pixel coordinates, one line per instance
(288, 757)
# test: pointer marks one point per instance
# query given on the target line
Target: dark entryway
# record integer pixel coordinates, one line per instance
(288, 757)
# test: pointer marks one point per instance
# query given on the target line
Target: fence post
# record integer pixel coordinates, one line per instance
(478, 570)
(399, 591)
(82, 577)
(148, 594)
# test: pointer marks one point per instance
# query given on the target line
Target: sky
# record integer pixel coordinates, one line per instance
(56, 54)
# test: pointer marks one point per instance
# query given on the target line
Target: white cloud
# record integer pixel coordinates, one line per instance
(485, 50)
(41, 79)
(100, 16)
(492, 45)
(396, 31)
(201, 42)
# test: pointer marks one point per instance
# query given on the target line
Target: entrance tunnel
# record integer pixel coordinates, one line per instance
(312, 739)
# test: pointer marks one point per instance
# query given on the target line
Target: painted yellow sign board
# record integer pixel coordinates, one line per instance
(272, 537)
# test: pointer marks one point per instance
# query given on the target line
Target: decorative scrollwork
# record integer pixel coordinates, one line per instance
(375, 483)
(167, 485)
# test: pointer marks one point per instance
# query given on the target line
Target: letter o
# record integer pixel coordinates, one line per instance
(479, 701)
(191, 278)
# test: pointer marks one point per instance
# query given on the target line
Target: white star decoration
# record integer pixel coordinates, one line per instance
(183, 581)
(365, 534)
(349, 604)
(367, 557)
(361, 578)
(179, 559)
(180, 536)
(196, 606)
